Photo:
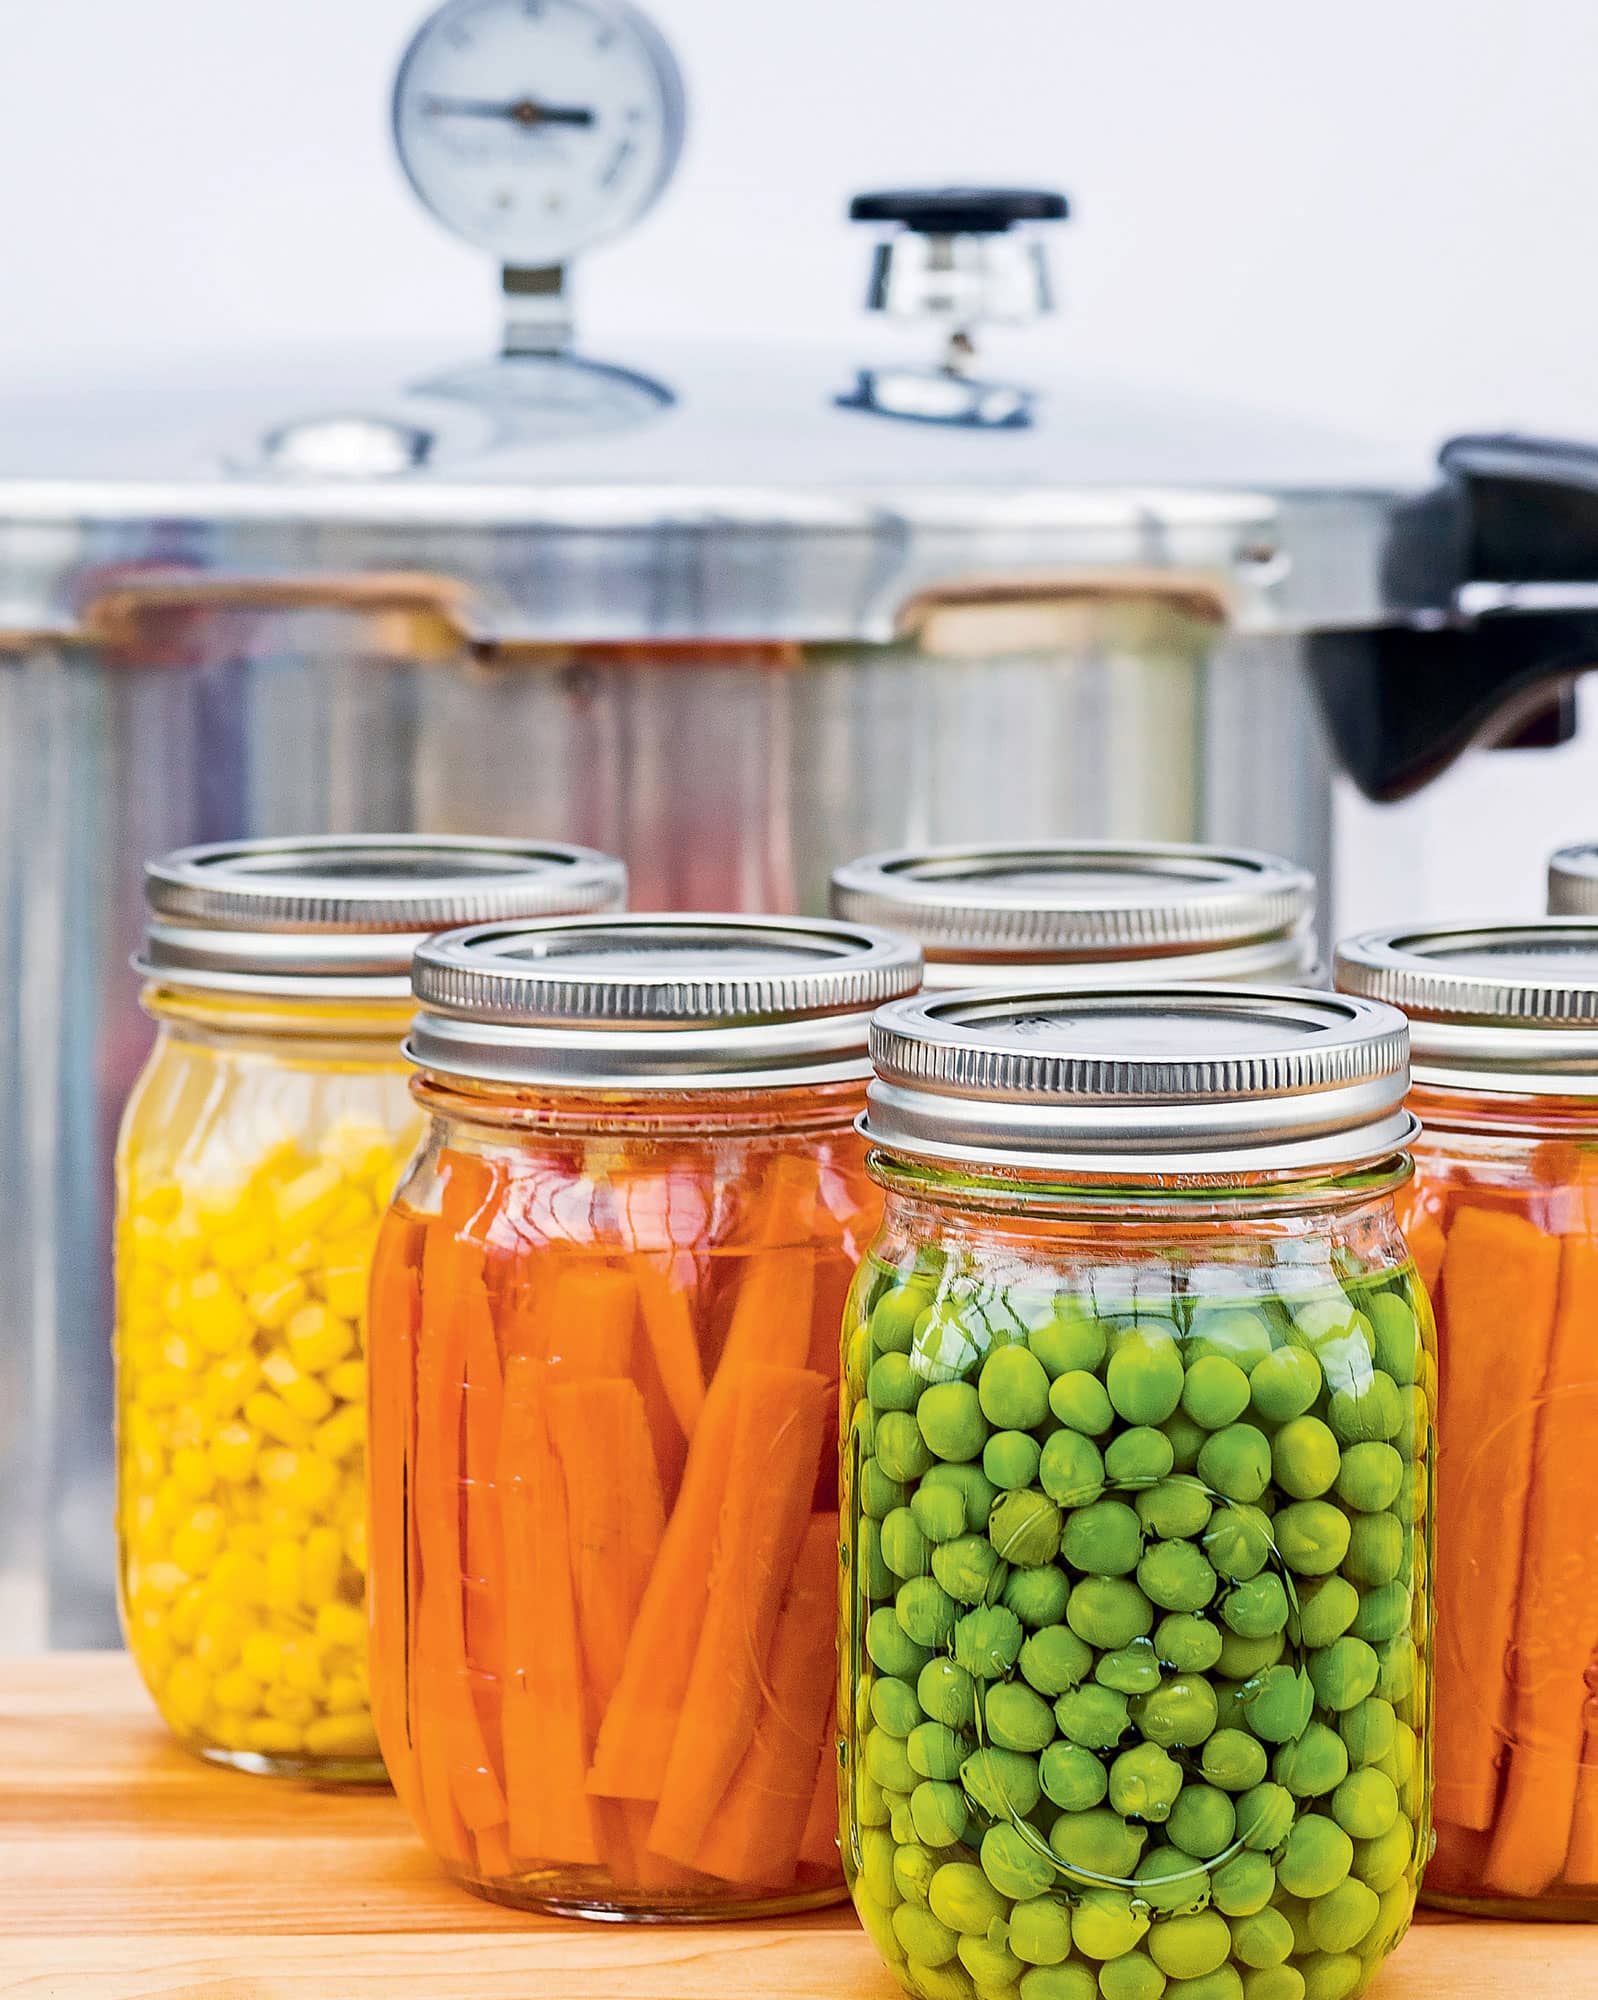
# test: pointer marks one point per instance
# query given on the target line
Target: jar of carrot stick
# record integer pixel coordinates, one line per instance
(1502, 1218)
(1138, 1388)
(604, 1368)
(257, 1152)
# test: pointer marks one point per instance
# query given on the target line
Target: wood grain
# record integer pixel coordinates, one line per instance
(130, 1871)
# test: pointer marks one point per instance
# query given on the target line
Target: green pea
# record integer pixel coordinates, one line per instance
(901, 1826)
(1097, 1844)
(1312, 1536)
(879, 1580)
(993, 1966)
(890, 1648)
(1104, 1539)
(1370, 1477)
(1222, 1984)
(943, 1347)
(1344, 1673)
(1400, 1761)
(1139, 1457)
(1131, 1977)
(1233, 1760)
(1318, 1856)
(1397, 1336)
(1186, 1440)
(1177, 1509)
(893, 1317)
(939, 1813)
(1190, 1644)
(1341, 1920)
(1172, 1882)
(1243, 1886)
(1040, 1931)
(976, 1491)
(1375, 1549)
(987, 1642)
(1176, 1576)
(913, 1870)
(922, 1936)
(1370, 1731)
(1109, 1612)
(1400, 1663)
(879, 1492)
(1216, 1392)
(1279, 1703)
(870, 1807)
(1263, 1939)
(1107, 1926)
(1133, 1669)
(1238, 1542)
(1191, 1947)
(1081, 1403)
(894, 1706)
(1202, 1821)
(1179, 1714)
(1095, 1717)
(950, 1418)
(1144, 1783)
(1018, 1718)
(903, 1546)
(1264, 1816)
(1229, 1710)
(1068, 1342)
(1326, 1609)
(1382, 1863)
(1072, 1777)
(1305, 1458)
(1312, 1764)
(1071, 1469)
(1003, 1783)
(1014, 1861)
(1024, 1528)
(1010, 1459)
(1236, 1462)
(938, 1511)
(962, 1897)
(1014, 1389)
(901, 1450)
(1365, 1805)
(1233, 1333)
(938, 1982)
(1241, 1659)
(892, 1383)
(886, 1760)
(947, 1693)
(1286, 1383)
(1144, 1377)
(935, 1751)
(1059, 1982)
(1257, 1609)
(1055, 1660)
(1274, 1982)
(926, 1611)
(1374, 1411)
(966, 1568)
(1037, 1596)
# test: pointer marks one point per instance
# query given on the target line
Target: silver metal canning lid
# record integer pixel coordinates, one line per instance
(1573, 881)
(1141, 1081)
(1505, 1007)
(339, 916)
(1100, 906)
(656, 1002)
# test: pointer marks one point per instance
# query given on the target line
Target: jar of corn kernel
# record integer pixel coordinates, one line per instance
(259, 1147)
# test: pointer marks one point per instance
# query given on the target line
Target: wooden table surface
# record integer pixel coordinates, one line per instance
(128, 1870)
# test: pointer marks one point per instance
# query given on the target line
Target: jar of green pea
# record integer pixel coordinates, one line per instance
(1136, 1476)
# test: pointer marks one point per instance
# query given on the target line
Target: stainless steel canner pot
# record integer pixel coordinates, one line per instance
(734, 615)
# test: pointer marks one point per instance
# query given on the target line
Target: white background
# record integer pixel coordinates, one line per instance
(1383, 213)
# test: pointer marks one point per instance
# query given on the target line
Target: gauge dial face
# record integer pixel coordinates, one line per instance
(534, 128)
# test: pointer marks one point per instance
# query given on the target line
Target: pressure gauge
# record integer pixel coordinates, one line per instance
(534, 128)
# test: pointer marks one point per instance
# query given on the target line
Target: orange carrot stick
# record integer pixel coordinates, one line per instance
(393, 1318)
(756, 1834)
(1500, 1281)
(1581, 1859)
(771, 1315)
(669, 1327)
(770, 1481)
(584, 1324)
(485, 1537)
(818, 1844)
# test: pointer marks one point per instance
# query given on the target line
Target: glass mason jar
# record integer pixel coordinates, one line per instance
(259, 1146)
(604, 1355)
(1138, 1394)
(1503, 1220)
(1065, 913)
(1573, 881)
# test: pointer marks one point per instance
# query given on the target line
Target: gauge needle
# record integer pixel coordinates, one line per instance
(521, 111)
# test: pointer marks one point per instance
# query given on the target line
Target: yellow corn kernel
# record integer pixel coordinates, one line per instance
(222, 1200)
(304, 1395)
(197, 1540)
(261, 1657)
(355, 1542)
(180, 1353)
(351, 1142)
(183, 1243)
(142, 1353)
(146, 1531)
(237, 1689)
(275, 1294)
(314, 1483)
(147, 1467)
(302, 1665)
(187, 1693)
(344, 1432)
(321, 1565)
(341, 1736)
(316, 1339)
(347, 1380)
(241, 1249)
(144, 1288)
(233, 1450)
(345, 1286)
(172, 1504)
(183, 1620)
(150, 1642)
(229, 1384)
(302, 1256)
(193, 1471)
(229, 1730)
(221, 1634)
(217, 1318)
(270, 1414)
(271, 1737)
(188, 1424)
(341, 1625)
(289, 1705)
(344, 1694)
(283, 1562)
(250, 1538)
(237, 1575)
(163, 1388)
(159, 1202)
(300, 1206)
